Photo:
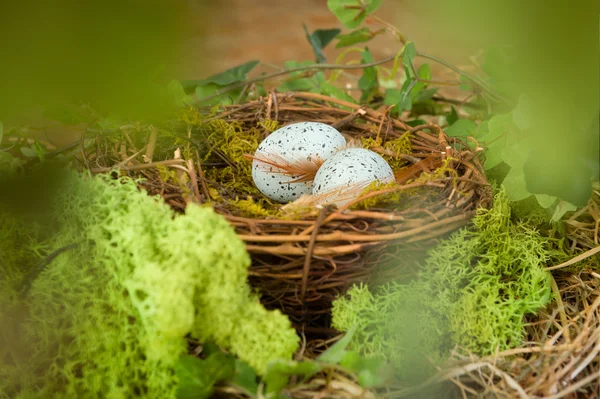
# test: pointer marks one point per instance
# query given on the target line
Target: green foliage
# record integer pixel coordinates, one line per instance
(352, 13)
(461, 128)
(357, 36)
(335, 92)
(110, 317)
(370, 372)
(319, 39)
(212, 86)
(368, 82)
(473, 291)
(198, 376)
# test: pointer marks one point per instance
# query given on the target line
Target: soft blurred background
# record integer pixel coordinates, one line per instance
(119, 55)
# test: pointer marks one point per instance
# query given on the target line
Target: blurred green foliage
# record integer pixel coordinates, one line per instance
(114, 54)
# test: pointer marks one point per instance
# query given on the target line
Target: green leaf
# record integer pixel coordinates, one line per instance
(330, 90)
(370, 371)
(424, 72)
(425, 95)
(177, 93)
(495, 138)
(28, 152)
(562, 208)
(461, 128)
(515, 186)
(230, 76)
(352, 13)
(1, 131)
(452, 116)
(312, 84)
(233, 75)
(545, 201)
(297, 64)
(368, 82)
(410, 52)
(319, 39)
(278, 373)
(245, 377)
(399, 97)
(416, 122)
(197, 377)
(336, 352)
(358, 36)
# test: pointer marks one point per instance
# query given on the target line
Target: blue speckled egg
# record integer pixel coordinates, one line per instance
(292, 143)
(343, 176)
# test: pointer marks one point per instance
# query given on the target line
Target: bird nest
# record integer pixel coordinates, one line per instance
(304, 256)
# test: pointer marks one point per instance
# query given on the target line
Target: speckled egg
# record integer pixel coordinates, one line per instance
(298, 142)
(343, 176)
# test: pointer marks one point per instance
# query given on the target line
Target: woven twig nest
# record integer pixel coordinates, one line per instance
(304, 257)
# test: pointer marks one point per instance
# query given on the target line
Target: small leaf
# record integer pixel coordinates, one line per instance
(279, 372)
(330, 90)
(352, 13)
(230, 76)
(425, 95)
(461, 128)
(545, 201)
(514, 183)
(197, 377)
(368, 82)
(410, 52)
(233, 75)
(424, 73)
(358, 36)
(28, 152)
(370, 370)
(312, 84)
(562, 208)
(297, 64)
(319, 39)
(416, 122)
(336, 352)
(452, 116)
(245, 377)
(177, 94)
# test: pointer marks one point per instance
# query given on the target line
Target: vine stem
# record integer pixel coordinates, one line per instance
(293, 70)
(478, 82)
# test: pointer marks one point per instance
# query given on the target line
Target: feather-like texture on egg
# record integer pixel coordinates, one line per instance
(343, 176)
(286, 161)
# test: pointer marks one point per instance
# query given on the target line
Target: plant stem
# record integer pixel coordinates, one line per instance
(473, 79)
(290, 71)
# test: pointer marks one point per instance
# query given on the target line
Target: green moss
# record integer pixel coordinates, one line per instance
(378, 200)
(109, 318)
(249, 207)
(473, 290)
(401, 145)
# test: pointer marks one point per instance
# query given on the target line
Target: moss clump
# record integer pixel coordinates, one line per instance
(249, 207)
(378, 200)
(473, 291)
(392, 149)
(109, 318)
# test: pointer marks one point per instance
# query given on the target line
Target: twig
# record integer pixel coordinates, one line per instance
(34, 272)
(576, 259)
(139, 167)
(309, 252)
(151, 144)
